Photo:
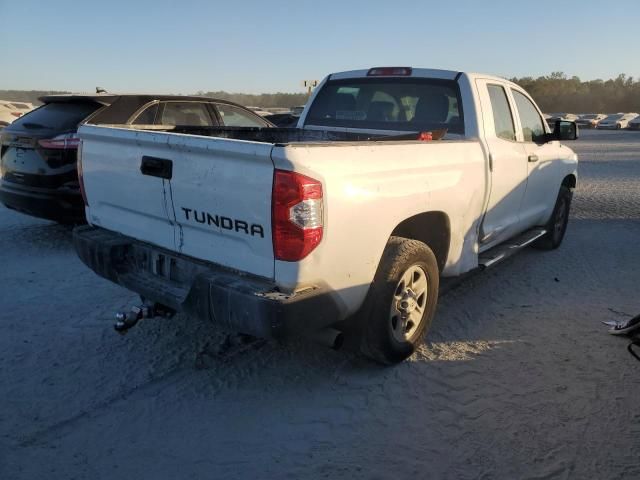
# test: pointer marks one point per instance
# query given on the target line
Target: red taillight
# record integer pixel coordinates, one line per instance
(62, 142)
(16, 114)
(80, 179)
(296, 215)
(389, 71)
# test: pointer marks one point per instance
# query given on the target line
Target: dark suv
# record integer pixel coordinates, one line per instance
(38, 152)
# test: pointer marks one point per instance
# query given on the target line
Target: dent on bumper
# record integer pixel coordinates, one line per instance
(228, 298)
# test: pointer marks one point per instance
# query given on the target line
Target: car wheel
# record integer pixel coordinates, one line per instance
(401, 302)
(557, 225)
(618, 126)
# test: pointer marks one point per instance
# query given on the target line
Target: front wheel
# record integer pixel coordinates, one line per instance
(557, 225)
(401, 302)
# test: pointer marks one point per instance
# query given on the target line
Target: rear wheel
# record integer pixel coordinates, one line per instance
(557, 225)
(401, 302)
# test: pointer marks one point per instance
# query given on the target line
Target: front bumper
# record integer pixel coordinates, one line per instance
(230, 299)
(58, 205)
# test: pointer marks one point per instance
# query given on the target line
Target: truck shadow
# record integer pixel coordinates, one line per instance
(484, 311)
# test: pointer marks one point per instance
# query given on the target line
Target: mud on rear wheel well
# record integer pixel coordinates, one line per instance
(431, 228)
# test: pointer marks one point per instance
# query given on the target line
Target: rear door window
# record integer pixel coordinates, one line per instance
(57, 116)
(233, 116)
(147, 116)
(22, 106)
(502, 116)
(185, 113)
(404, 104)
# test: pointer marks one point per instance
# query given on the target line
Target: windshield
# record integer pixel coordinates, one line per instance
(614, 117)
(403, 104)
(590, 117)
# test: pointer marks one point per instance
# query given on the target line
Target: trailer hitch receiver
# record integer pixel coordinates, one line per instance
(127, 320)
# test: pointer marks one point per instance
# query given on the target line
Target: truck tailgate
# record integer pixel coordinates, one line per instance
(214, 204)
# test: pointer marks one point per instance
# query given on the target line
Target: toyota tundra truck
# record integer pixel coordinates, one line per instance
(394, 178)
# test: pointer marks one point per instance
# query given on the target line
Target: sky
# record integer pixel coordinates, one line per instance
(252, 46)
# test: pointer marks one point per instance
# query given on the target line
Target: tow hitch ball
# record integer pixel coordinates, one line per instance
(127, 320)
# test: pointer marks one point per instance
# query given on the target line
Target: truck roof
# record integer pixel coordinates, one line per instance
(415, 72)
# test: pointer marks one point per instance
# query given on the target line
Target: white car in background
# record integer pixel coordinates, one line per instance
(617, 121)
(553, 117)
(590, 120)
(634, 124)
(9, 111)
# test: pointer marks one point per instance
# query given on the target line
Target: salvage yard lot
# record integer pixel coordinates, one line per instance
(517, 379)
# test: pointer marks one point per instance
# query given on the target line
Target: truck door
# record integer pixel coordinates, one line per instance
(507, 165)
(544, 165)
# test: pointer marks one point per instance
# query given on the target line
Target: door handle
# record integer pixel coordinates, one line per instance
(156, 167)
(533, 158)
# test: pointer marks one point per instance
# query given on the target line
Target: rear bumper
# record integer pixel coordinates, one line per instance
(227, 298)
(59, 206)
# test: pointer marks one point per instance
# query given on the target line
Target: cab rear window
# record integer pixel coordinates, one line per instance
(57, 116)
(403, 104)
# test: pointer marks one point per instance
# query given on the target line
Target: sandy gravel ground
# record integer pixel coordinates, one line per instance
(518, 379)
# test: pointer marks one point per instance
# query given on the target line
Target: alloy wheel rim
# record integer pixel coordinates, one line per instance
(408, 303)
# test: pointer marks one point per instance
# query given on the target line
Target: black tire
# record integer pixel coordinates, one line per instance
(379, 342)
(557, 224)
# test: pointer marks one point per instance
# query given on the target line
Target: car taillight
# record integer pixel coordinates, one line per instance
(80, 179)
(61, 142)
(296, 221)
(16, 114)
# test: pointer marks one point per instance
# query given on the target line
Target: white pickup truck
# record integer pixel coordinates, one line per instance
(394, 178)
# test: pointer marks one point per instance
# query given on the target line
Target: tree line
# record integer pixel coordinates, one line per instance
(558, 93)
(554, 93)
(264, 100)
(28, 96)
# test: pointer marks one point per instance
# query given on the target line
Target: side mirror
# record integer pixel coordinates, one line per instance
(565, 130)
